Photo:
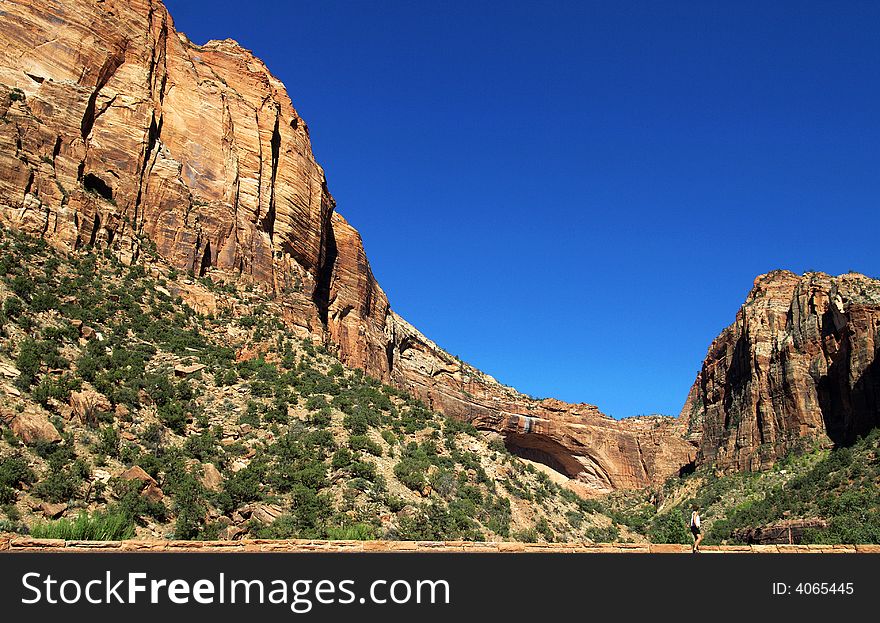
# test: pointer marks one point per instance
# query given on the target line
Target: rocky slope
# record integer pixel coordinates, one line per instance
(116, 129)
(124, 412)
(801, 360)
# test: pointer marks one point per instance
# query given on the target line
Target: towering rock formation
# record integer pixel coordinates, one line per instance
(119, 128)
(116, 129)
(801, 360)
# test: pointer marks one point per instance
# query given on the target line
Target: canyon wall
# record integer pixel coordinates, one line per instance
(800, 361)
(117, 130)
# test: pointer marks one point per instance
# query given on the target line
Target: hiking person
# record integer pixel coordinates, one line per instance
(695, 529)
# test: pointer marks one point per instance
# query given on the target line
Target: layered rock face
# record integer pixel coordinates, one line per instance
(597, 452)
(117, 130)
(801, 360)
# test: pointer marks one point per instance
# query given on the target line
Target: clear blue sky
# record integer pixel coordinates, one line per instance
(576, 197)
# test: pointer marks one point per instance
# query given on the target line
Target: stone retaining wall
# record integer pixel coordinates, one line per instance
(25, 544)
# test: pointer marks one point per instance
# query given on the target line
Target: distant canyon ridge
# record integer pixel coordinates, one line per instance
(116, 130)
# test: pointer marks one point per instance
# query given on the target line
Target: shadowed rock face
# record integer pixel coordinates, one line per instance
(118, 129)
(801, 360)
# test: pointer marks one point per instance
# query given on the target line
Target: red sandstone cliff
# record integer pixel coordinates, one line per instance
(115, 129)
(801, 360)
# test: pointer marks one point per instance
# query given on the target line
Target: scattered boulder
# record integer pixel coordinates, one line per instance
(152, 493)
(231, 533)
(87, 404)
(407, 511)
(9, 371)
(265, 513)
(136, 472)
(238, 465)
(181, 370)
(31, 427)
(211, 478)
(87, 332)
(52, 511)
(144, 398)
(101, 475)
(150, 489)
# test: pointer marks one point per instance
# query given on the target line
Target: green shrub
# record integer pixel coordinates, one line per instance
(243, 486)
(363, 469)
(411, 470)
(98, 526)
(525, 536)
(63, 483)
(669, 527)
(322, 418)
(311, 511)
(544, 529)
(353, 532)
(13, 307)
(108, 441)
(173, 416)
(28, 363)
(59, 389)
(131, 504)
(202, 446)
(189, 506)
(11, 512)
(499, 516)
(316, 403)
(497, 445)
(608, 534)
(356, 423)
(14, 471)
(225, 377)
(342, 458)
(278, 412)
(362, 442)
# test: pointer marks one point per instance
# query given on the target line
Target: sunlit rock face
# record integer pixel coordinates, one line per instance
(117, 130)
(801, 360)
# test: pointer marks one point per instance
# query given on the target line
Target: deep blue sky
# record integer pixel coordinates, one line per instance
(576, 197)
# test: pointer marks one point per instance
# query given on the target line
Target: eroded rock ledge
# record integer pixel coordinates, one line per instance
(23, 544)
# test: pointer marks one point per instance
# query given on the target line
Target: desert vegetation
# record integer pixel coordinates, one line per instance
(177, 424)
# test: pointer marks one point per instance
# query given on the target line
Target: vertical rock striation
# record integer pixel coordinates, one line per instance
(801, 360)
(119, 129)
